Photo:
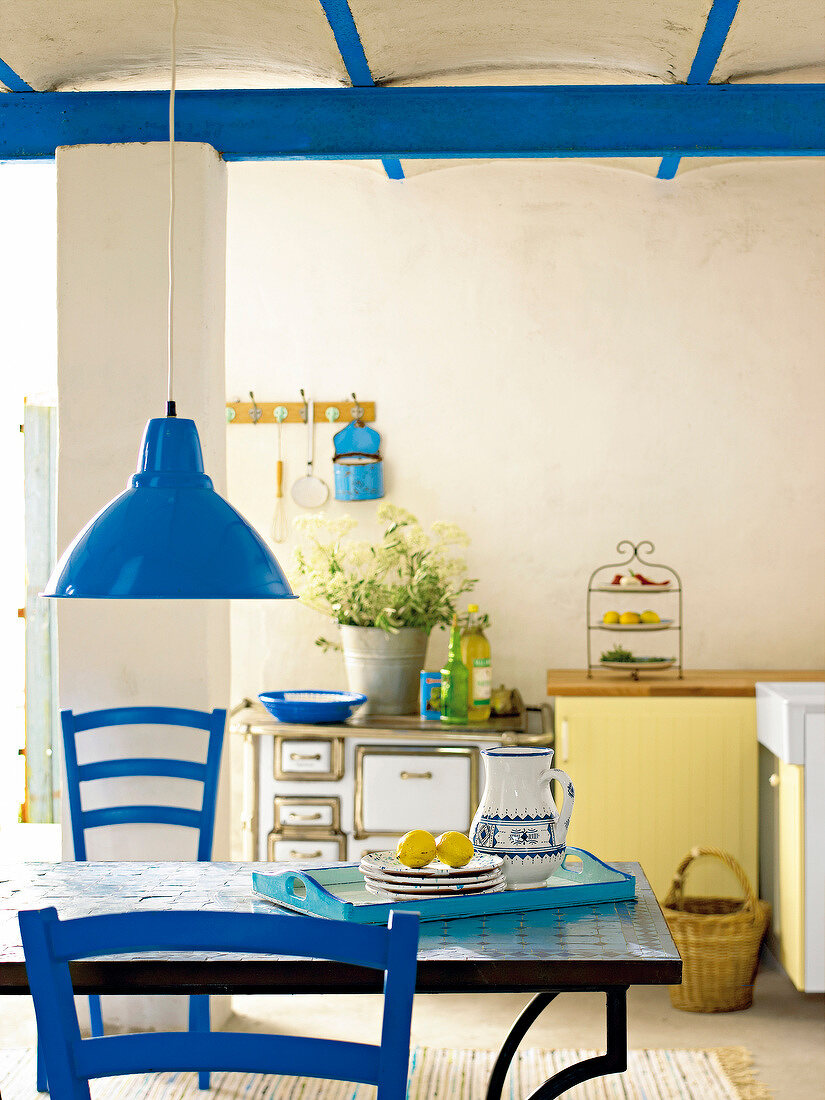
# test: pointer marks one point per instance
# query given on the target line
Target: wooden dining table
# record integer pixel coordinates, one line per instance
(597, 947)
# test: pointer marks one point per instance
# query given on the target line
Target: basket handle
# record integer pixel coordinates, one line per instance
(729, 861)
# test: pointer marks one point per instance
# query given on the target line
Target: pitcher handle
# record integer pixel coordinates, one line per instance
(567, 802)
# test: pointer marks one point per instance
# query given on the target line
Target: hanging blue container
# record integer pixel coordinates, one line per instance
(358, 466)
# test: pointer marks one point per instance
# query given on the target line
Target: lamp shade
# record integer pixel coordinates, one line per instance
(169, 535)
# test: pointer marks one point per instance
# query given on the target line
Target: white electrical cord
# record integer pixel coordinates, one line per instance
(170, 404)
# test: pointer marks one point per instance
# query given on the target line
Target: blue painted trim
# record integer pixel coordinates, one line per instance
(12, 81)
(505, 820)
(432, 123)
(348, 41)
(720, 18)
(349, 44)
(516, 752)
(711, 44)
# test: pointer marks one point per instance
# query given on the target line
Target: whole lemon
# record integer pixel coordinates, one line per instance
(416, 848)
(629, 618)
(454, 849)
(610, 617)
(650, 617)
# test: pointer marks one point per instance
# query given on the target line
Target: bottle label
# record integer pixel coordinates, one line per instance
(482, 682)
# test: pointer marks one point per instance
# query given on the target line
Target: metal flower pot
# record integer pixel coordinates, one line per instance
(385, 667)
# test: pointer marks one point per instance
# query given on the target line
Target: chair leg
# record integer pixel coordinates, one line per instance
(95, 1016)
(199, 1021)
(42, 1082)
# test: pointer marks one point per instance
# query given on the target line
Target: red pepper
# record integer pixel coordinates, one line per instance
(617, 579)
(644, 580)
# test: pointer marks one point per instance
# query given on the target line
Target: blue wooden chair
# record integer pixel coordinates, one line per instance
(71, 1062)
(203, 819)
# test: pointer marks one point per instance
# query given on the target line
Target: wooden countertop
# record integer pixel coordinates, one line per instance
(698, 682)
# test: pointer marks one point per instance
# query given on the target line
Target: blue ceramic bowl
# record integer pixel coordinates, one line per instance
(311, 707)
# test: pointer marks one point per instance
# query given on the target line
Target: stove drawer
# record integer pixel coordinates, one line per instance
(307, 813)
(294, 848)
(310, 758)
(401, 788)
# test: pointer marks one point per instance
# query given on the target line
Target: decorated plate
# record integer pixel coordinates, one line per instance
(622, 588)
(388, 863)
(430, 882)
(434, 887)
(397, 895)
(663, 624)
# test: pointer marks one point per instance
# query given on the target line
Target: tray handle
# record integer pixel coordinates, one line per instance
(298, 890)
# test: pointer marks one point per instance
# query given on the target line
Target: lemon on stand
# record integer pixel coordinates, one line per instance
(416, 848)
(650, 617)
(454, 849)
(629, 618)
(610, 617)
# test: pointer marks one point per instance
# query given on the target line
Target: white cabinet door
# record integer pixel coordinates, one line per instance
(403, 788)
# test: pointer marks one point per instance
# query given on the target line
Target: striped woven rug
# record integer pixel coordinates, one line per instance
(442, 1075)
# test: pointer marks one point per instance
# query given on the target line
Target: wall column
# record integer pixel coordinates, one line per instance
(113, 209)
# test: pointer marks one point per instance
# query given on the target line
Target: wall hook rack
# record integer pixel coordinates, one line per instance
(245, 412)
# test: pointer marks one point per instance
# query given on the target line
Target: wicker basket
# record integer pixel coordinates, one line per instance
(718, 939)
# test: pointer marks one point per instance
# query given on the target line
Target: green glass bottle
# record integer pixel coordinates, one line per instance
(455, 680)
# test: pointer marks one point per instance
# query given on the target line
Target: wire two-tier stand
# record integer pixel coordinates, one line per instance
(599, 583)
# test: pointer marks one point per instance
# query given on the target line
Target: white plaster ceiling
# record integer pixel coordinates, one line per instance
(91, 44)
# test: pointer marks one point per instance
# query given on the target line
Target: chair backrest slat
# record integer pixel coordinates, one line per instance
(50, 944)
(175, 1051)
(206, 773)
(118, 769)
(142, 716)
(141, 815)
(251, 933)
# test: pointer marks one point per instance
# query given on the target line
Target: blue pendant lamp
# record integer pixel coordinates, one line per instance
(169, 535)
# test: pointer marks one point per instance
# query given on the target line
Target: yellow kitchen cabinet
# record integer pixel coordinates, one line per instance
(788, 932)
(655, 777)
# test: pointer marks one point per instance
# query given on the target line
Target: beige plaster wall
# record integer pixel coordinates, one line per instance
(563, 355)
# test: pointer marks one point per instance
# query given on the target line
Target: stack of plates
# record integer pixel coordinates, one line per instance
(389, 879)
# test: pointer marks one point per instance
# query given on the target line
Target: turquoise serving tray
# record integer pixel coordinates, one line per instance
(339, 892)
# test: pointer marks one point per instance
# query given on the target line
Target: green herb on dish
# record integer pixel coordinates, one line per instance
(618, 653)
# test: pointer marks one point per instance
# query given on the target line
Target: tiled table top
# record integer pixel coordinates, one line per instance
(620, 943)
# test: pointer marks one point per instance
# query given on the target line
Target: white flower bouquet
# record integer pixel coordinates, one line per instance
(411, 578)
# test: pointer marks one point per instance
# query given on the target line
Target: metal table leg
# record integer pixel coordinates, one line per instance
(613, 1061)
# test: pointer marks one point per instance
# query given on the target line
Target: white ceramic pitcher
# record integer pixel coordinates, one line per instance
(517, 817)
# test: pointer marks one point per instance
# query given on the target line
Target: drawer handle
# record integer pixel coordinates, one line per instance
(774, 780)
(304, 817)
(306, 855)
(416, 775)
(305, 756)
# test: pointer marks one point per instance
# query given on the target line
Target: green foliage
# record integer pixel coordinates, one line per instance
(481, 619)
(408, 579)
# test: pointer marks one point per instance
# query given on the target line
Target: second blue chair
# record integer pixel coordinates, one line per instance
(50, 944)
(203, 820)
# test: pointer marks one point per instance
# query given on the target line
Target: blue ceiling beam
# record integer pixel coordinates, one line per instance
(709, 120)
(355, 61)
(10, 78)
(714, 36)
